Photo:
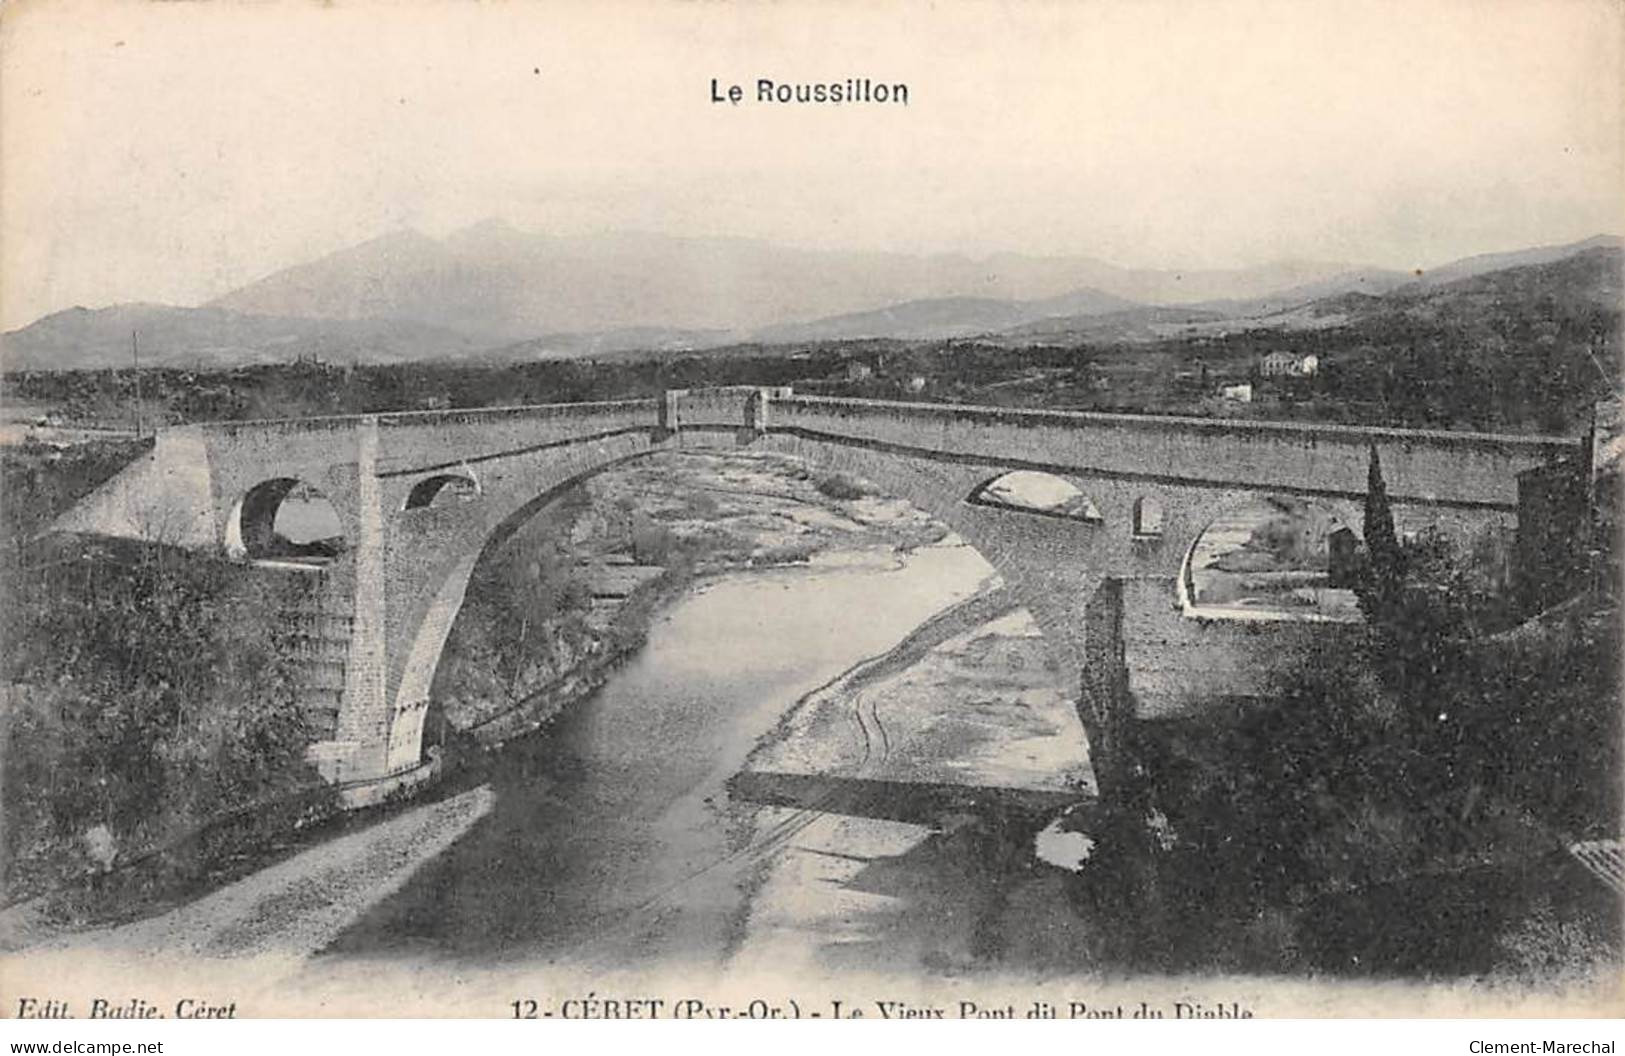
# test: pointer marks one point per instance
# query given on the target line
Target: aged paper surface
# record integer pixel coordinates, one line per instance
(655, 510)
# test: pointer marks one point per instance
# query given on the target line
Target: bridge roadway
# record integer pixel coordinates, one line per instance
(1156, 482)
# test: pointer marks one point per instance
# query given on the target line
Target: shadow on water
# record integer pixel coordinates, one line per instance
(912, 802)
(969, 898)
(527, 876)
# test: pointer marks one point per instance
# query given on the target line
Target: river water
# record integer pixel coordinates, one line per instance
(612, 837)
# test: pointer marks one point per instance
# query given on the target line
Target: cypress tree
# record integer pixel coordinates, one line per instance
(1385, 567)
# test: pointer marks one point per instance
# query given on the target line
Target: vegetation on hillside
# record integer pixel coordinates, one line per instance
(1423, 775)
(39, 482)
(145, 698)
(144, 694)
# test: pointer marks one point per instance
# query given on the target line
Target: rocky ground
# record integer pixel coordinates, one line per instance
(910, 791)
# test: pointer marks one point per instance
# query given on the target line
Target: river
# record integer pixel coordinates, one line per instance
(611, 837)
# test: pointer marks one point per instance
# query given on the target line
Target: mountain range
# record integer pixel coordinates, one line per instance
(493, 292)
(495, 280)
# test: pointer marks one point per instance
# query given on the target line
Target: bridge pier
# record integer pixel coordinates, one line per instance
(756, 416)
(376, 747)
(671, 410)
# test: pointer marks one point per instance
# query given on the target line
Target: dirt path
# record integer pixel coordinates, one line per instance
(294, 908)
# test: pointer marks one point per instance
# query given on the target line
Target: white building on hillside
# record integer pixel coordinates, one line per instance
(1288, 365)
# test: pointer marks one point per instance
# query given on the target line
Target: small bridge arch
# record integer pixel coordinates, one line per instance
(442, 489)
(284, 518)
(1274, 557)
(1036, 492)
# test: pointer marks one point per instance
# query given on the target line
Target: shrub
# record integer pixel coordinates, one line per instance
(843, 487)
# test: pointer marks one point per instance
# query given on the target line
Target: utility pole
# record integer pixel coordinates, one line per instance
(135, 354)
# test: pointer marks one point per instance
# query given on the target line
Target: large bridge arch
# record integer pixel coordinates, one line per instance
(430, 552)
(433, 558)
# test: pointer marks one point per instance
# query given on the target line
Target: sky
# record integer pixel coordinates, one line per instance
(171, 152)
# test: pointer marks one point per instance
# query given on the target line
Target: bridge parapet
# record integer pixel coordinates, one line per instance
(1433, 467)
(1476, 470)
(722, 407)
(463, 417)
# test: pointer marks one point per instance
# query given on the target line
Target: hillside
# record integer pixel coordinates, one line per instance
(214, 338)
(1361, 282)
(1142, 324)
(944, 317)
(1581, 288)
(1582, 283)
(632, 339)
(1350, 289)
(1468, 267)
(1530, 346)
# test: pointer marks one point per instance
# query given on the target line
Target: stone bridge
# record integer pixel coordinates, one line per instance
(1154, 483)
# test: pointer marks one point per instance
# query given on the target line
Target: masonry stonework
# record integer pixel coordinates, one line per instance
(404, 573)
